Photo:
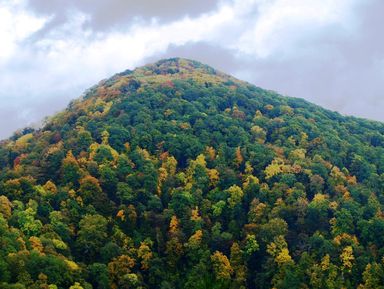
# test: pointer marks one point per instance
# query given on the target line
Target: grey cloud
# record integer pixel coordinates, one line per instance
(30, 113)
(108, 14)
(30, 91)
(214, 55)
(8, 120)
(11, 121)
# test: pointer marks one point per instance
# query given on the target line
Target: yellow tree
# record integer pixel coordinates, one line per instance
(221, 266)
(347, 258)
(118, 268)
(50, 188)
(256, 211)
(194, 241)
(76, 286)
(163, 174)
(174, 225)
(214, 177)
(211, 152)
(235, 195)
(5, 207)
(258, 133)
(145, 254)
(238, 157)
(279, 250)
(170, 164)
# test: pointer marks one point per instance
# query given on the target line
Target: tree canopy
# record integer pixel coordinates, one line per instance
(176, 175)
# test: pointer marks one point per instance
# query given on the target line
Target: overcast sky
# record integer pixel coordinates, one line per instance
(330, 52)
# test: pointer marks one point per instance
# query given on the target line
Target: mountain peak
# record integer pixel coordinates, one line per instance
(169, 66)
(163, 73)
(178, 65)
(180, 68)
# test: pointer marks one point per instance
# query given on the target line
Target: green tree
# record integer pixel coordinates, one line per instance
(92, 235)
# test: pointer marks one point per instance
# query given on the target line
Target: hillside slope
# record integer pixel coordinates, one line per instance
(175, 175)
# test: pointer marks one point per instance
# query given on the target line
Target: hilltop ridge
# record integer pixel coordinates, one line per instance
(166, 70)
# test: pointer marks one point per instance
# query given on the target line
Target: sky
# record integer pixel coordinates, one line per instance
(330, 52)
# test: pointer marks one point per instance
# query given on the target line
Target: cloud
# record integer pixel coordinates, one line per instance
(282, 25)
(329, 52)
(15, 26)
(218, 57)
(107, 14)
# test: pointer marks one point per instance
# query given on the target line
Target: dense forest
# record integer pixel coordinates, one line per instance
(176, 175)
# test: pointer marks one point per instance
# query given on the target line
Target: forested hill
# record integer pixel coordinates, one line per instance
(175, 175)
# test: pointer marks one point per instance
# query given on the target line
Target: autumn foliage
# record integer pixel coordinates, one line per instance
(176, 175)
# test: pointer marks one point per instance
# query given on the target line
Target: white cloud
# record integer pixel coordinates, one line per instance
(15, 26)
(117, 50)
(284, 23)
